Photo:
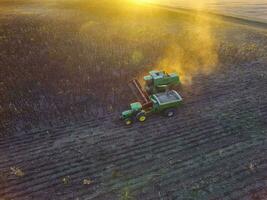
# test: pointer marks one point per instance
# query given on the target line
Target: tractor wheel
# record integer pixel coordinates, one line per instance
(170, 112)
(128, 121)
(141, 116)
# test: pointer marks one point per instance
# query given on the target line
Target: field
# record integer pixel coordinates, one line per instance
(247, 9)
(64, 69)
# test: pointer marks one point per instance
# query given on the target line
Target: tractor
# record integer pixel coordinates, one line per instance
(157, 97)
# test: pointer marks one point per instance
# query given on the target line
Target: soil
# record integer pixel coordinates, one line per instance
(64, 85)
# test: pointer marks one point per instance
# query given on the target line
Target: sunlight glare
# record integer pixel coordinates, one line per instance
(141, 1)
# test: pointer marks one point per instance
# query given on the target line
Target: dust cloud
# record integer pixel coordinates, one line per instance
(195, 51)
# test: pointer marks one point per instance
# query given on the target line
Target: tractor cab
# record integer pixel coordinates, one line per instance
(135, 108)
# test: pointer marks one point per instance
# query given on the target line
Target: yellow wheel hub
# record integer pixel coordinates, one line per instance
(128, 122)
(142, 118)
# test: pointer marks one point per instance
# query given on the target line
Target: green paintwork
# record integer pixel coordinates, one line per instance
(161, 102)
(165, 100)
(126, 114)
(137, 106)
(160, 81)
(157, 85)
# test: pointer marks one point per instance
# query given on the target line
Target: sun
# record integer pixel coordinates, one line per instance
(141, 1)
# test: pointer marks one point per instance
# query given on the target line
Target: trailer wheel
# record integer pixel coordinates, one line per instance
(141, 116)
(170, 112)
(128, 121)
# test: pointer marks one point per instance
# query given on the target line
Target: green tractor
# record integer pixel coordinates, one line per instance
(157, 97)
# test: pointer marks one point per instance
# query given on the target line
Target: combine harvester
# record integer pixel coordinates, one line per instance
(158, 97)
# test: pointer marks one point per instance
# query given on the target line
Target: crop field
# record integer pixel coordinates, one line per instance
(64, 69)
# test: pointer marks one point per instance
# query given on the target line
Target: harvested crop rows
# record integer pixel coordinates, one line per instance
(214, 148)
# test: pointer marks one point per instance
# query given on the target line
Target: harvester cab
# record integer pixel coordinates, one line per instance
(160, 81)
(155, 98)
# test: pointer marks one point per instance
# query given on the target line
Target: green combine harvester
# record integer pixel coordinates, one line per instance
(158, 97)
